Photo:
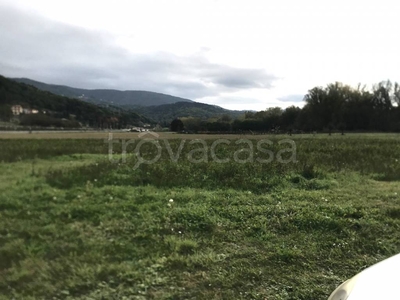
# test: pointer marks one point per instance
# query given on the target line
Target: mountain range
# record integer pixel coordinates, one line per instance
(160, 108)
(60, 111)
(165, 113)
(106, 96)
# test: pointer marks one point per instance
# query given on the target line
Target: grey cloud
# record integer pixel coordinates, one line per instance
(53, 52)
(241, 78)
(239, 81)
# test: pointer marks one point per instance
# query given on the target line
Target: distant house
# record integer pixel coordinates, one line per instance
(17, 110)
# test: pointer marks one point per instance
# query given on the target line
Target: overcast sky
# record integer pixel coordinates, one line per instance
(236, 54)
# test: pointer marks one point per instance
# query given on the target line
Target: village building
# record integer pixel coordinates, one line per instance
(17, 110)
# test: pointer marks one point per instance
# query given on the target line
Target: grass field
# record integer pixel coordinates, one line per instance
(74, 225)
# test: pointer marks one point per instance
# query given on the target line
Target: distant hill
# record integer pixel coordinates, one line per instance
(106, 96)
(167, 112)
(155, 106)
(53, 107)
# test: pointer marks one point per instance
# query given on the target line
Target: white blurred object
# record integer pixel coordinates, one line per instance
(379, 282)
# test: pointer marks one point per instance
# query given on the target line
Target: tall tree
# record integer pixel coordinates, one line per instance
(176, 125)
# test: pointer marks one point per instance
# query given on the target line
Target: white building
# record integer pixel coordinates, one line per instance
(17, 110)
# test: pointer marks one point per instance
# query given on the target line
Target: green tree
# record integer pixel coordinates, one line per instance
(176, 125)
(5, 113)
(290, 117)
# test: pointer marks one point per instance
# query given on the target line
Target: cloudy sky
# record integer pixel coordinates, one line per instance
(236, 54)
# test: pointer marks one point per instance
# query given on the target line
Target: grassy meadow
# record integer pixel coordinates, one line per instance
(75, 225)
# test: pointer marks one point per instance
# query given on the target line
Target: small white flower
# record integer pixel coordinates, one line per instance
(172, 229)
(169, 204)
(171, 200)
(54, 198)
(395, 194)
(79, 196)
(179, 232)
(95, 180)
(111, 198)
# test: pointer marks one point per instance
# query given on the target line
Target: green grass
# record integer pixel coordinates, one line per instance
(75, 226)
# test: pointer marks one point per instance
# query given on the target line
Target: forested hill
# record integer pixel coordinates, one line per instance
(15, 93)
(108, 96)
(167, 112)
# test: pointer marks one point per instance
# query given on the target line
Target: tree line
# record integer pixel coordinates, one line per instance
(336, 107)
